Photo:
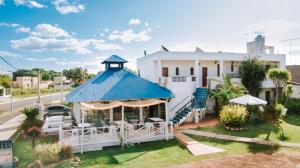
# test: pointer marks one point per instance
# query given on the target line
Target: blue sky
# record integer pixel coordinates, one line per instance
(59, 34)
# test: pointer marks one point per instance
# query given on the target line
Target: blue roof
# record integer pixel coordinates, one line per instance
(114, 59)
(117, 84)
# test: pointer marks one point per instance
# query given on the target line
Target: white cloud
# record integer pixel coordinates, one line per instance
(37, 44)
(270, 27)
(134, 22)
(9, 24)
(48, 30)
(67, 63)
(102, 46)
(1, 2)
(46, 37)
(64, 7)
(106, 29)
(129, 35)
(186, 46)
(146, 24)
(50, 59)
(29, 3)
(23, 30)
(10, 54)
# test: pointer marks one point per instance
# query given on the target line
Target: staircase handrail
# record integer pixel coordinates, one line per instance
(179, 103)
(185, 105)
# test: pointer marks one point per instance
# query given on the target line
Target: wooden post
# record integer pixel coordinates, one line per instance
(111, 115)
(166, 111)
(82, 131)
(141, 115)
(122, 127)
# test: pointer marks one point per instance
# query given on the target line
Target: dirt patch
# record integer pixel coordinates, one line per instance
(261, 160)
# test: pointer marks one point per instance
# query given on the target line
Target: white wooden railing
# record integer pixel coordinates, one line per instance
(113, 135)
(135, 133)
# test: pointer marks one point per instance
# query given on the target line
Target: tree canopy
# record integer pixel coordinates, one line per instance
(279, 77)
(45, 74)
(5, 81)
(252, 72)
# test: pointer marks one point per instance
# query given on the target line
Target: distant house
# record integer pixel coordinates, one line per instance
(27, 82)
(58, 79)
(295, 72)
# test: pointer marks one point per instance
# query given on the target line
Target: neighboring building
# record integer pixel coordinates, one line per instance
(27, 82)
(295, 72)
(57, 82)
(185, 72)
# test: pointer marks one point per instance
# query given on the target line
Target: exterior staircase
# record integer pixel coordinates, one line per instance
(198, 102)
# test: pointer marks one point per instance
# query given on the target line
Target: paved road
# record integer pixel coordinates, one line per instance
(5, 107)
(21, 103)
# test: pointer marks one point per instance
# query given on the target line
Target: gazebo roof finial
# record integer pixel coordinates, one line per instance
(114, 60)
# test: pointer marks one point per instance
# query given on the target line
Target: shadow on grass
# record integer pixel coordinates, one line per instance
(115, 155)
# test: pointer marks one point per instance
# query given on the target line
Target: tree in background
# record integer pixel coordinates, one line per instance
(279, 77)
(45, 74)
(223, 93)
(5, 81)
(77, 75)
(252, 72)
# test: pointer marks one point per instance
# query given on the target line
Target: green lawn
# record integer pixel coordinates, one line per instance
(260, 129)
(145, 155)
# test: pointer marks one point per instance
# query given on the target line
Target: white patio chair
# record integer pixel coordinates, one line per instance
(149, 127)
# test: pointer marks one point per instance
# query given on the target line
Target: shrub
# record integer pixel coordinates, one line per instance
(65, 152)
(30, 113)
(28, 124)
(233, 115)
(273, 113)
(293, 106)
(49, 153)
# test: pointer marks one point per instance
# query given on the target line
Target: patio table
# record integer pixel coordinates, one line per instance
(156, 119)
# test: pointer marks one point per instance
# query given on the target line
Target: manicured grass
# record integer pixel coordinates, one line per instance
(261, 129)
(23, 149)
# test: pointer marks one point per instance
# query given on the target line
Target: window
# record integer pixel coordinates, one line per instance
(218, 69)
(177, 71)
(232, 66)
(267, 96)
(192, 71)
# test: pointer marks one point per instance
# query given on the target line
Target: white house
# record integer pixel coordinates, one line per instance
(184, 72)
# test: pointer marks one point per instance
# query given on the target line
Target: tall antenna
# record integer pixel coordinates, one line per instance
(290, 41)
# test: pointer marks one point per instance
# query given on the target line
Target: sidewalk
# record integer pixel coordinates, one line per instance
(240, 139)
(8, 128)
(196, 148)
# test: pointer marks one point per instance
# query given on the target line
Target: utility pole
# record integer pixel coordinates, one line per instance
(61, 87)
(39, 91)
(290, 41)
(11, 98)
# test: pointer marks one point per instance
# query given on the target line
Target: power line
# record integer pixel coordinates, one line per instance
(8, 63)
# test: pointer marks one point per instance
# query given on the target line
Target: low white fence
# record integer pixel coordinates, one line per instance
(95, 138)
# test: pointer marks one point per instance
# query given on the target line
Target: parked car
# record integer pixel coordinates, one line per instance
(56, 110)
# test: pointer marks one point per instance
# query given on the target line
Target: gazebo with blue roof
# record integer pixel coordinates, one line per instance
(117, 94)
(117, 107)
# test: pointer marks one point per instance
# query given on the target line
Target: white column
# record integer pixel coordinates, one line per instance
(197, 72)
(166, 111)
(221, 67)
(111, 115)
(82, 130)
(141, 115)
(159, 69)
